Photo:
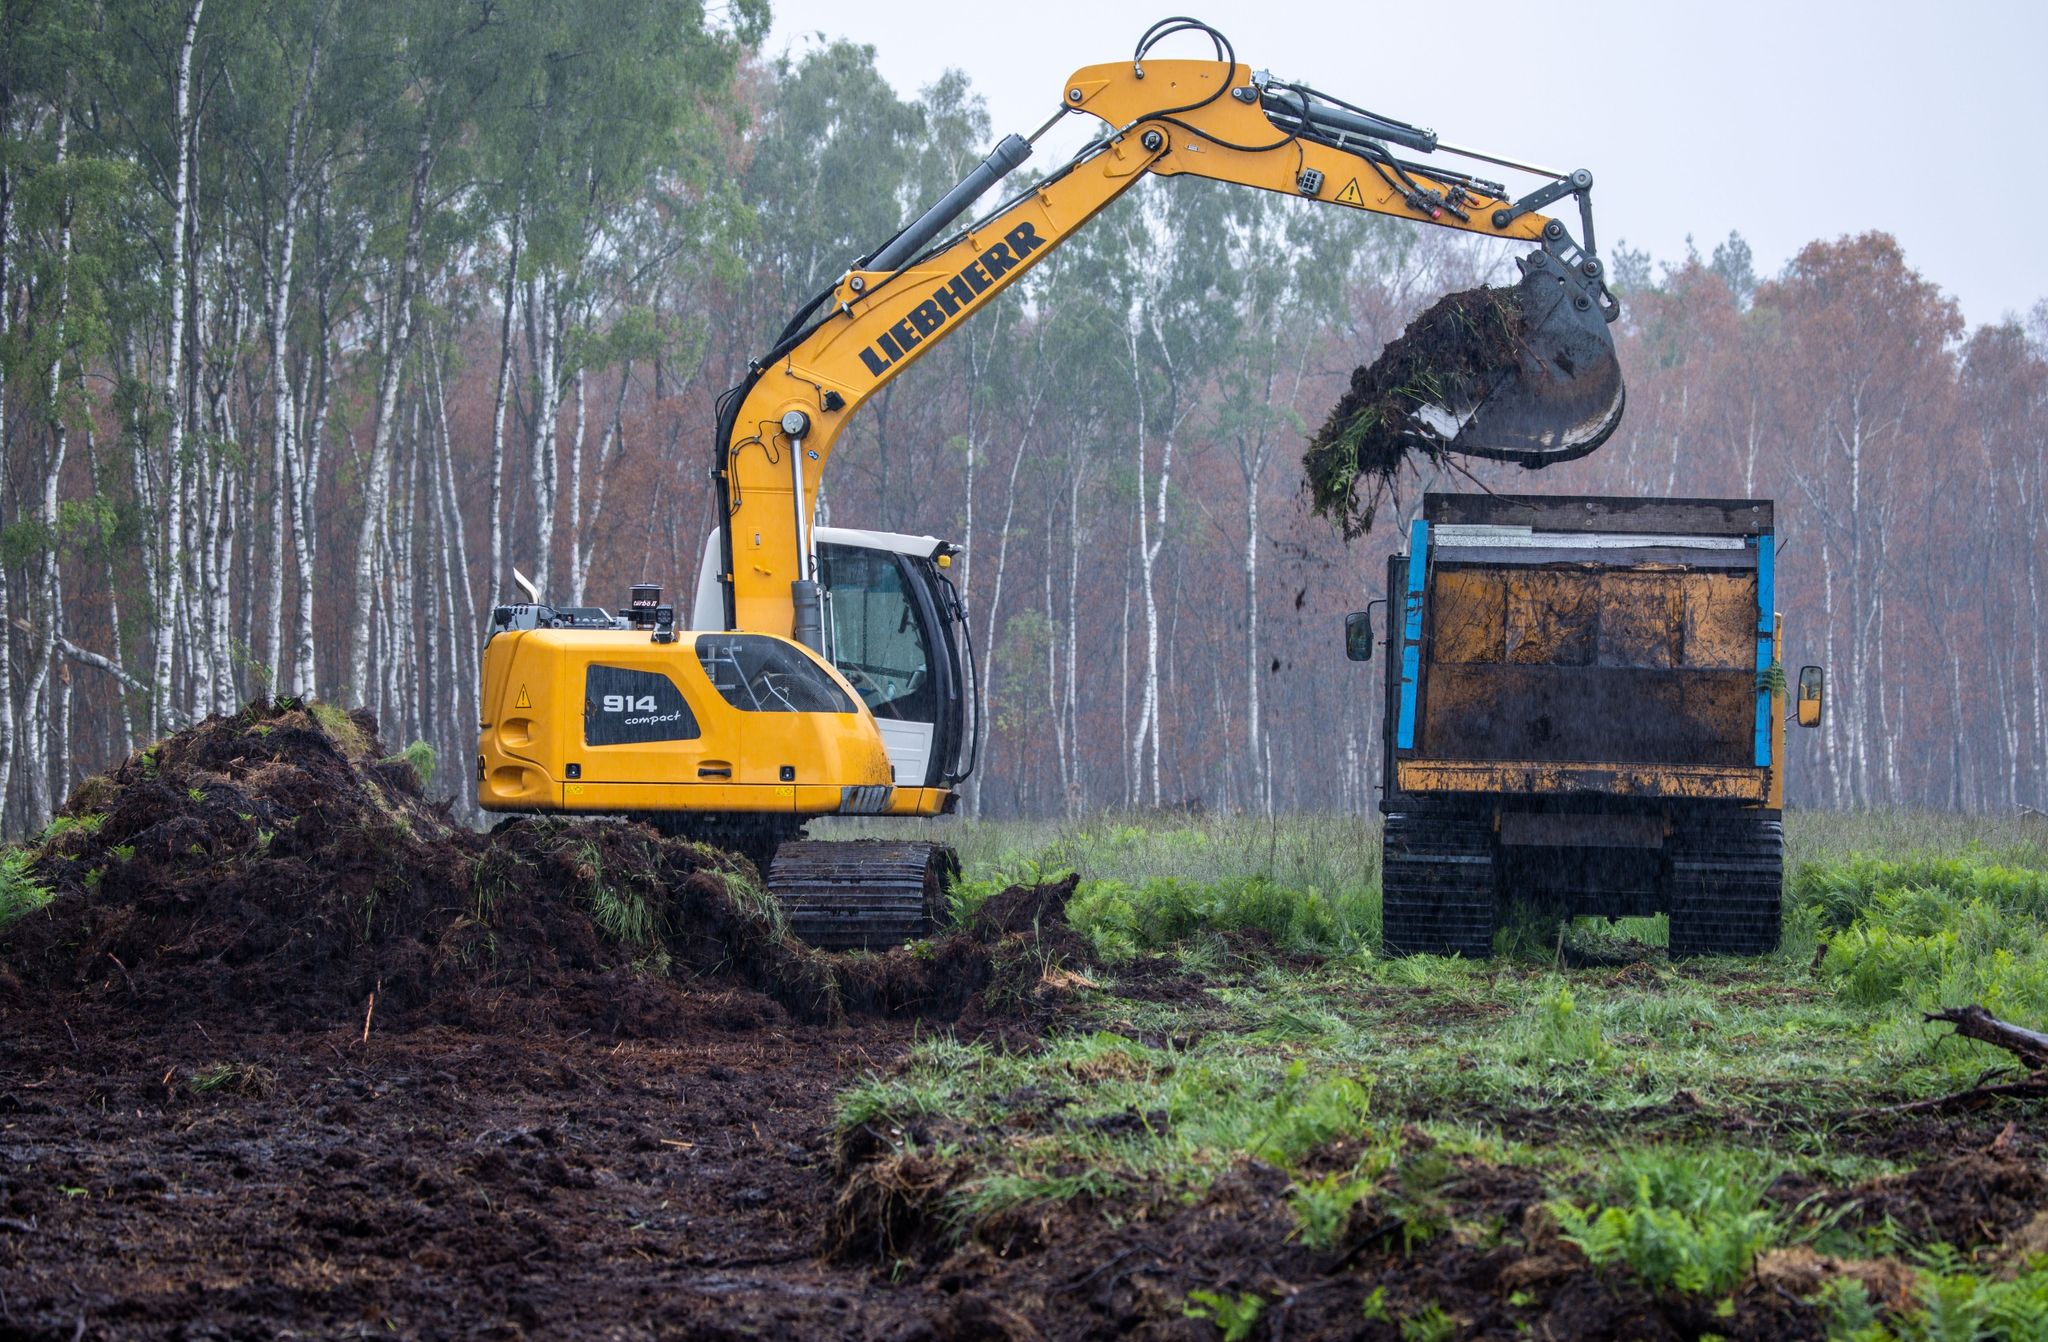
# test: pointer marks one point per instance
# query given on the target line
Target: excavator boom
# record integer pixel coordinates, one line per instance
(732, 735)
(1553, 394)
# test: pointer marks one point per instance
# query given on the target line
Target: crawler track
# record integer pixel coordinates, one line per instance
(1439, 886)
(862, 894)
(1726, 880)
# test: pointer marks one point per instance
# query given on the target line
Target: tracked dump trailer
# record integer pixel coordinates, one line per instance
(1584, 707)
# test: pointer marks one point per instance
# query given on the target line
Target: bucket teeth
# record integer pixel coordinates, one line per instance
(862, 894)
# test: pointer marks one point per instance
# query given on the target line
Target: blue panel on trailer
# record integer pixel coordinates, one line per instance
(1766, 616)
(1411, 632)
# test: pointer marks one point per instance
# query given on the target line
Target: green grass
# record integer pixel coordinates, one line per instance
(420, 756)
(1679, 1219)
(1653, 1101)
(340, 728)
(1149, 882)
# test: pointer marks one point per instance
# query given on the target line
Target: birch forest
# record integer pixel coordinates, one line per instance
(318, 319)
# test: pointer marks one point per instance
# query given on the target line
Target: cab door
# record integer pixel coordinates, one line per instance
(882, 641)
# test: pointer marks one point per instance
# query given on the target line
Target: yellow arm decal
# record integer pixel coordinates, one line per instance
(880, 322)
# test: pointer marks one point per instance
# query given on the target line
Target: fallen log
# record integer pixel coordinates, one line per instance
(1974, 1022)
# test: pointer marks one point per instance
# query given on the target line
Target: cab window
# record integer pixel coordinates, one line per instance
(879, 640)
(758, 674)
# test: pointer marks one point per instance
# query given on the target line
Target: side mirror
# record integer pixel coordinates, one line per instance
(1813, 683)
(1358, 635)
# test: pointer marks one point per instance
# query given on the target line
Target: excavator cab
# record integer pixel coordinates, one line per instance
(896, 629)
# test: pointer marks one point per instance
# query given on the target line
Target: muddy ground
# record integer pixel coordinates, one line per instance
(200, 1180)
(209, 1130)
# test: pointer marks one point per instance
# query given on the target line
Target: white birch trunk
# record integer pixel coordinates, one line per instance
(7, 719)
(589, 530)
(543, 333)
(172, 611)
(49, 629)
(377, 478)
(509, 298)
(284, 412)
(305, 481)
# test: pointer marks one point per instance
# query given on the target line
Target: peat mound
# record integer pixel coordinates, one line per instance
(1451, 355)
(1005, 962)
(276, 867)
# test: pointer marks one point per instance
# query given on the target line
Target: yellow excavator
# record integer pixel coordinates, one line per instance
(828, 671)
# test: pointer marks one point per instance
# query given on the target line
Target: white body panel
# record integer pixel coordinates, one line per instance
(910, 749)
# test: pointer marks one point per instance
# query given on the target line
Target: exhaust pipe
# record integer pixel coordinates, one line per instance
(1000, 163)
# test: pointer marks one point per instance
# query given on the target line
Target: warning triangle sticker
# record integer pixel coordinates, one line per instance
(524, 700)
(1350, 195)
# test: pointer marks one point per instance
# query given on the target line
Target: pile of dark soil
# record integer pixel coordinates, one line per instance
(1004, 963)
(1967, 1200)
(275, 866)
(1451, 355)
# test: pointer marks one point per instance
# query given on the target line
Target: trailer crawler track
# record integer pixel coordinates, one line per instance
(1725, 884)
(1439, 889)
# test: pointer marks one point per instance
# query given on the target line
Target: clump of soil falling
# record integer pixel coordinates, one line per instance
(277, 867)
(1451, 356)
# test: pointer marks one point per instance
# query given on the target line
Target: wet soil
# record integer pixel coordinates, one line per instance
(203, 1178)
(446, 1183)
(1450, 355)
(440, 1183)
(210, 1128)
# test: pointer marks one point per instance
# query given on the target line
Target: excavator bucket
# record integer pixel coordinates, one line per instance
(1558, 397)
(1525, 374)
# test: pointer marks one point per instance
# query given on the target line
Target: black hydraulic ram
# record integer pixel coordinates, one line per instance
(1296, 113)
(1000, 163)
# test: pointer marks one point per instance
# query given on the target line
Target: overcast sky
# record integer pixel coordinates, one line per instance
(1788, 121)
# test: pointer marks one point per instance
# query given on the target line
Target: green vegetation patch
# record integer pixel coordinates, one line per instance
(1689, 1131)
(20, 892)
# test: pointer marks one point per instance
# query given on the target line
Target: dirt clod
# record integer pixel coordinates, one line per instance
(1450, 355)
(1967, 1200)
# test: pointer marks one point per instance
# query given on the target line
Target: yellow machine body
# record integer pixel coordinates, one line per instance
(542, 747)
(882, 321)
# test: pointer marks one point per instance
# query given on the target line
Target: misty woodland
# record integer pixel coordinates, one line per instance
(317, 320)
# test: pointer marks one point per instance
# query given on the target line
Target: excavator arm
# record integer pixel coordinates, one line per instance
(1206, 118)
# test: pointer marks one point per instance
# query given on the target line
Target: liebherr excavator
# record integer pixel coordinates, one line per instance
(828, 672)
